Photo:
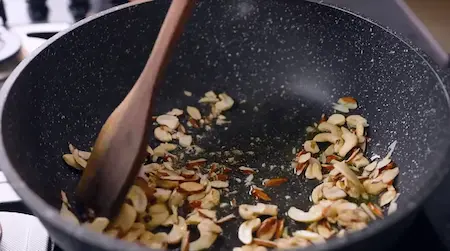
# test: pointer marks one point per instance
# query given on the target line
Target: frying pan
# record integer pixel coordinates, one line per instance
(289, 60)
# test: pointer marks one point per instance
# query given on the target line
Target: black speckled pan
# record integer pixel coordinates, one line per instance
(289, 60)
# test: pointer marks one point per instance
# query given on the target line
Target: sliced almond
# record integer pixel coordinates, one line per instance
(195, 163)
(173, 178)
(341, 108)
(371, 166)
(83, 154)
(175, 112)
(192, 187)
(247, 170)
(274, 182)
(333, 193)
(70, 160)
(374, 188)
(194, 112)
(349, 174)
(82, 162)
(350, 141)
(280, 228)
(259, 194)
(125, 219)
(219, 184)
(246, 229)
(113, 233)
(387, 197)
(162, 135)
(226, 218)
(167, 184)
(324, 230)
(304, 157)
(185, 140)
(268, 228)
(389, 175)
(263, 243)
(170, 121)
(187, 173)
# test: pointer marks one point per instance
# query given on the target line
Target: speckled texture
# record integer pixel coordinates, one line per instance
(288, 60)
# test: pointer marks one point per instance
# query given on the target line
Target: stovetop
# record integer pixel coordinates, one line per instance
(432, 225)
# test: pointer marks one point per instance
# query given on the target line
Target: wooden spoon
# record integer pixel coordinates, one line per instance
(120, 147)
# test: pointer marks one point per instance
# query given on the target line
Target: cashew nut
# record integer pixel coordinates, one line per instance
(225, 103)
(211, 200)
(154, 241)
(158, 214)
(308, 235)
(176, 199)
(178, 231)
(333, 193)
(326, 137)
(252, 247)
(358, 122)
(162, 135)
(138, 198)
(162, 195)
(168, 120)
(248, 212)
(246, 229)
(336, 119)
(350, 141)
(125, 219)
(311, 146)
(317, 194)
(137, 229)
(328, 127)
(99, 224)
(374, 188)
(208, 234)
(315, 213)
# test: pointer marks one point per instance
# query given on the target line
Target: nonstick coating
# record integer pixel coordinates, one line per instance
(288, 60)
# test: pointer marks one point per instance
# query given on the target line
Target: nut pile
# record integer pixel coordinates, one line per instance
(176, 193)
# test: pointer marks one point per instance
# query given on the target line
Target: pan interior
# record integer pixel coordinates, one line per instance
(284, 63)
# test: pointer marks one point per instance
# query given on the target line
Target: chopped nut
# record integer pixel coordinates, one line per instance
(303, 158)
(374, 188)
(208, 234)
(328, 127)
(387, 197)
(315, 213)
(70, 160)
(170, 121)
(259, 194)
(185, 140)
(194, 112)
(311, 146)
(308, 235)
(389, 175)
(225, 103)
(333, 193)
(264, 243)
(82, 162)
(219, 184)
(162, 135)
(336, 119)
(280, 228)
(326, 137)
(68, 215)
(226, 218)
(136, 230)
(247, 170)
(351, 176)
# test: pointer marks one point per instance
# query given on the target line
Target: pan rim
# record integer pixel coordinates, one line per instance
(51, 215)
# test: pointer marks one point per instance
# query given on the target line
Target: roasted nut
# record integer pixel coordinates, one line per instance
(267, 229)
(192, 187)
(211, 200)
(248, 212)
(317, 194)
(336, 119)
(70, 160)
(194, 112)
(162, 135)
(168, 120)
(374, 188)
(225, 103)
(308, 235)
(389, 175)
(246, 229)
(219, 184)
(226, 218)
(333, 193)
(158, 214)
(154, 241)
(185, 140)
(326, 137)
(328, 127)
(208, 234)
(82, 162)
(350, 141)
(68, 215)
(162, 195)
(358, 122)
(350, 175)
(311, 146)
(138, 198)
(178, 231)
(387, 197)
(125, 219)
(137, 229)
(99, 224)
(348, 102)
(274, 182)
(315, 213)
(304, 157)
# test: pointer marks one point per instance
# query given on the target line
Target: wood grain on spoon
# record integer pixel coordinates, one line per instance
(120, 147)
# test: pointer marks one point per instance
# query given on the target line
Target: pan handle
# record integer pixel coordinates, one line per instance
(428, 43)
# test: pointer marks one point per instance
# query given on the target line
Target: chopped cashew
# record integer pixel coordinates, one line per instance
(208, 234)
(358, 122)
(125, 219)
(178, 231)
(315, 213)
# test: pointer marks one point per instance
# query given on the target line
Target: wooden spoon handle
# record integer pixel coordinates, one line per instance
(170, 32)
